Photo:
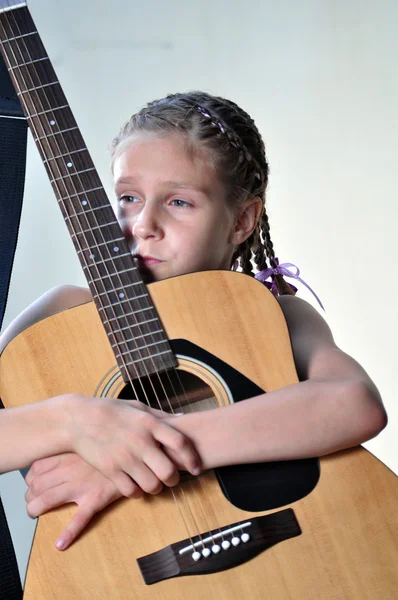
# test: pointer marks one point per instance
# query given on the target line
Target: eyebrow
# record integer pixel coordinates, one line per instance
(171, 184)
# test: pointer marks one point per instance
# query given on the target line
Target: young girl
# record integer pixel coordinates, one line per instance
(190, 176)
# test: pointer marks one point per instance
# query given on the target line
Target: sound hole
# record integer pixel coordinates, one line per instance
(172, 391)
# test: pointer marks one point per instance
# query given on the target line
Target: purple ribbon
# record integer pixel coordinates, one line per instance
(284, 271)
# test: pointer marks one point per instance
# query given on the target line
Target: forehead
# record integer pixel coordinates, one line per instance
(163, 158)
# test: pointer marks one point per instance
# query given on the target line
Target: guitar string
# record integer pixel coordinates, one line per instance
(161, 382)
(69, 174)
(167, 373)
(34, 127)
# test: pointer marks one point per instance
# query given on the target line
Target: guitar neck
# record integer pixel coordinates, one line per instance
(122, 299)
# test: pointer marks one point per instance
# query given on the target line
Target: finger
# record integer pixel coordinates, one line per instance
(178, 443)
(124, 482)
(164, 469)
(144, 477)
(79, 521)
(41, 483)
(41, 466)
(51, 498)
(83, 516)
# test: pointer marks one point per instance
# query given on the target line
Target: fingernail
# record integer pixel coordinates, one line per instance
(178, 414)
(195, 471)
(60, 543)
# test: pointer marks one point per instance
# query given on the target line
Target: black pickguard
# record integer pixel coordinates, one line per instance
(261, 486)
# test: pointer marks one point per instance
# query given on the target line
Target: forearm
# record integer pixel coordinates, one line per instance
(312, 418)
(31, 432)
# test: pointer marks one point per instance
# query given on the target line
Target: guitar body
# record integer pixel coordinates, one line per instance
(225, 326)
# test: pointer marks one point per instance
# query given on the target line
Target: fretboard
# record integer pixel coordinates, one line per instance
(122, 299)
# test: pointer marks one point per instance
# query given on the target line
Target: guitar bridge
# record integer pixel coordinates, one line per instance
(218, 550)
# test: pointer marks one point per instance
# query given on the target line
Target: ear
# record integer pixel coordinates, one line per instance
(246, 220)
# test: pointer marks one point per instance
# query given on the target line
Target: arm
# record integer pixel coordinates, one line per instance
(336, 405)
(32, 432)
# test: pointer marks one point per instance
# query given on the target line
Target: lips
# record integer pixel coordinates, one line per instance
(147, 260)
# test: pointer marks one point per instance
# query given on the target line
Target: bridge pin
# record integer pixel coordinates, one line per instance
(196, 556)
(235, 541)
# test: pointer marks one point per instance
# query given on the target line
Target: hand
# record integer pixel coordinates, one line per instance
(128, 442)
(65, 478)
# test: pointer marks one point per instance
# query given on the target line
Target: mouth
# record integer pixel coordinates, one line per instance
(150, 260)
(146, 261)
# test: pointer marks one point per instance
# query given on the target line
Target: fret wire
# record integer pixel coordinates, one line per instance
(146, 346)
(122, 300)
(129, 315)
(18, 37)
(137, 337)
(65, 155)
(45, 137)
(132, 313)
(123, 287)
(107, 260)
(142, 357)
(5, 9)
(73, 173)
(85, 212)
(92, 228)
(135, 325)
(44, 112)
(101, 187)
(38, 87)
(118, 273)
(101, 244)
(31, 62)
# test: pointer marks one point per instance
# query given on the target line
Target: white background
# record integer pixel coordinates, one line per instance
(319, 77)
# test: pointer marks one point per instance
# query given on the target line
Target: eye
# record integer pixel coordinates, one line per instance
(181, 203)
(128, 199)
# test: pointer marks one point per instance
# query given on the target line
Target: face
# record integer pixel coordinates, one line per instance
(171, 208)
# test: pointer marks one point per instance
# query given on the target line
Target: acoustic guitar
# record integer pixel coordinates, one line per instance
(292, 530)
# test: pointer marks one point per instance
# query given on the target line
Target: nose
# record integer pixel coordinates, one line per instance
(146, 224)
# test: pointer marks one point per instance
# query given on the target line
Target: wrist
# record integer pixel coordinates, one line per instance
(194, 427)
(69, 410)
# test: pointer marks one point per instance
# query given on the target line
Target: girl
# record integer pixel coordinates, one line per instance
(190, 176)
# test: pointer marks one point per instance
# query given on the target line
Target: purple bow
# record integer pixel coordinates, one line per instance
(284, 271)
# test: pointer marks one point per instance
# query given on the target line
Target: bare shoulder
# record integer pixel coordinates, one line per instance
(55, 300)
(315, 352)
(304, 319)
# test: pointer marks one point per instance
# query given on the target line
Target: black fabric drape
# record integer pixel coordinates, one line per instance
(13, 139)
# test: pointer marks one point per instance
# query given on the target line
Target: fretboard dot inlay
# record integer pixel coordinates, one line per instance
(69, 165)
(116, 249)
(92, 256)
(52, 122)
(121, 295)
(84, 202)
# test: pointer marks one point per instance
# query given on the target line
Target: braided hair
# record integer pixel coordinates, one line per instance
(233, 146)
